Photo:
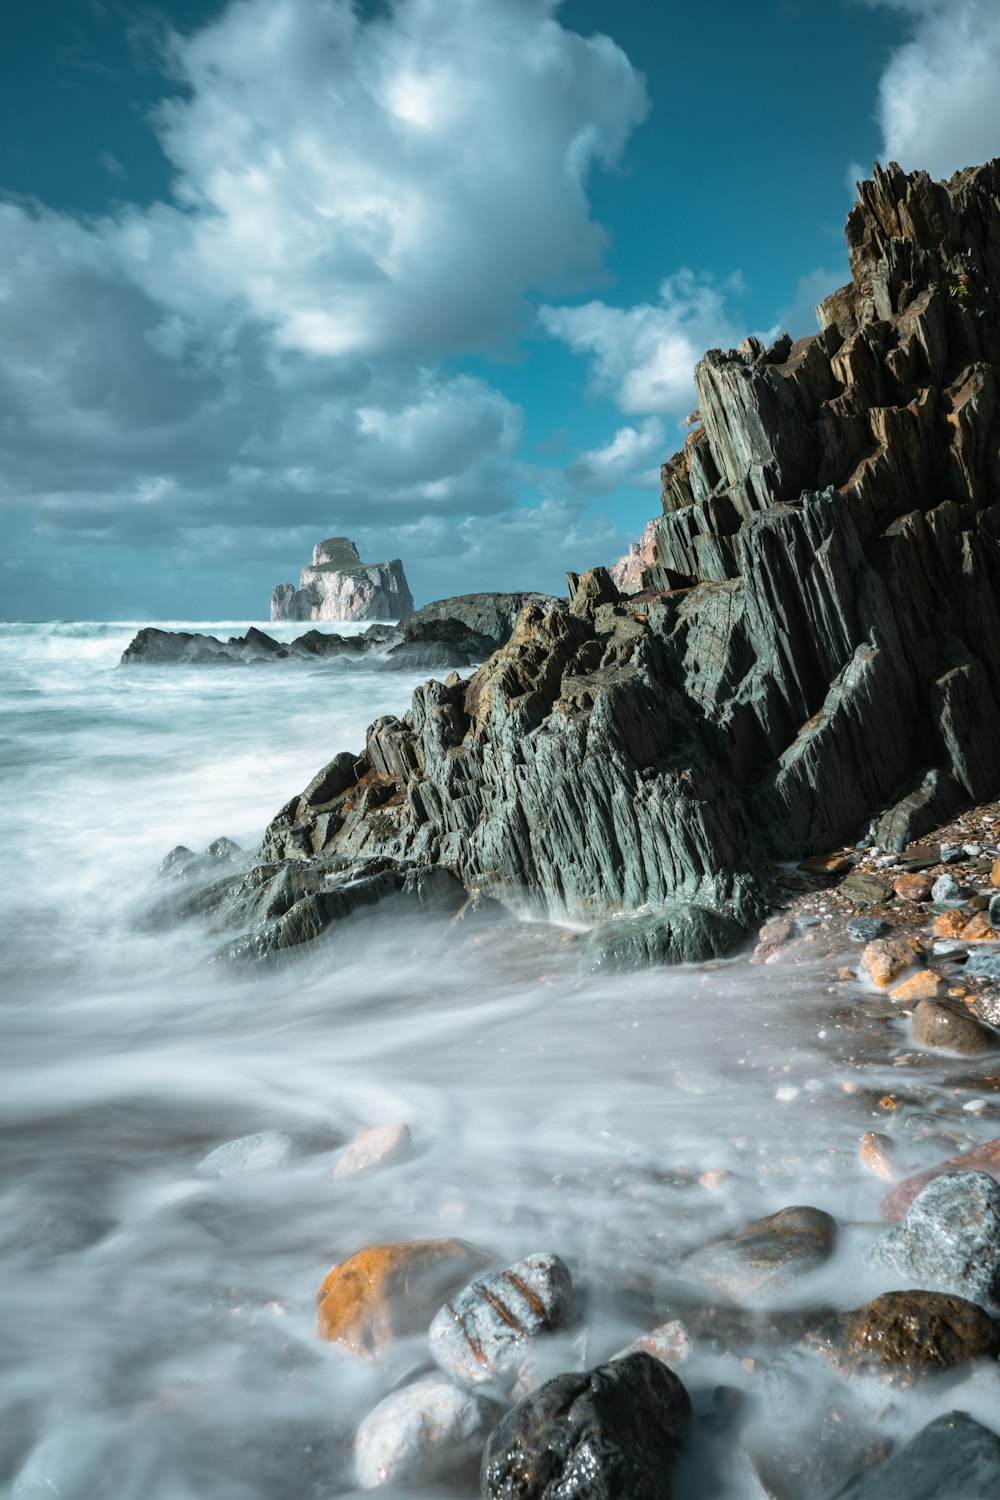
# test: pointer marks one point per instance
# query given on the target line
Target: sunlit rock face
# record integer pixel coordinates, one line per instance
(812, 654)
(339, 586)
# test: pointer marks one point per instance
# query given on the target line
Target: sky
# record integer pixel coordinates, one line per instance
(432, 274)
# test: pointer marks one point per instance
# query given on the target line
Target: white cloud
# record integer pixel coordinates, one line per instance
(644, 356)
(633, 458)
(939, 97)
(353, 200)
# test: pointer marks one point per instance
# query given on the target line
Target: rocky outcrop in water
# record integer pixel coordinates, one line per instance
(814, 650)
(339, 586)
(448, 633)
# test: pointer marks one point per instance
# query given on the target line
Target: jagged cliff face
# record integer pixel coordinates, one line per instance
(816, 645)
(339, 586)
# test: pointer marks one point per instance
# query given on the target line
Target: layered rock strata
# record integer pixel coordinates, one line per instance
(814, 647)
(339, 586)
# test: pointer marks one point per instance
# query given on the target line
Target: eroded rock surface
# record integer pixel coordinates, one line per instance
(339, 586)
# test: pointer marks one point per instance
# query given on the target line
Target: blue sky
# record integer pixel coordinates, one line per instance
(431, 273)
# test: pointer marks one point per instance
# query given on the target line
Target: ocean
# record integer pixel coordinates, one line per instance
(159, 1322)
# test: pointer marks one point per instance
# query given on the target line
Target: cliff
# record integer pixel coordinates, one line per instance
(814, 650)
(339, 586)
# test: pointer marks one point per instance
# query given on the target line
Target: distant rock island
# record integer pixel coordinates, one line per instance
(339, 586)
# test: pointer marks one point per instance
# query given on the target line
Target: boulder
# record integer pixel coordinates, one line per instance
(604, 1434)
(983, 1158)
(422, 1432)
(481, 1334)
(905, 1336)
(759, 1260)
(949, 1028)
(949, 1240)
(386, 1291)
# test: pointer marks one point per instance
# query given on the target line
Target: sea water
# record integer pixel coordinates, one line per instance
(159, 1323)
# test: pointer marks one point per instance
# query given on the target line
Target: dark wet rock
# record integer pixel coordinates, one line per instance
(262, 1152)
(480, 1334)
(904, 1336)
(952, 1458)
(982, 1158)
(422, 1432)
(864, 889)
(759, 1260)
(949, 1240)
(605, 1434)
(678, 933)
(865, 929)
(950, 1028)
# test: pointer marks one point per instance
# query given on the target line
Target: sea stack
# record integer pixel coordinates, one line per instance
(339, 586)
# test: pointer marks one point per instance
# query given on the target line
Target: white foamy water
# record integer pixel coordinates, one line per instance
(159, 1327)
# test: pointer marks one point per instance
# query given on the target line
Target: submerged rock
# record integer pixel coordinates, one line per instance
(952, 1458)
(382, 1146)
(605, 1434)
(386, 1291)
(758, 1260)
(949, 1028)
(249, 1154)
(907, 1335)
(949, 1240)
(422, 1432)
(480, 1334)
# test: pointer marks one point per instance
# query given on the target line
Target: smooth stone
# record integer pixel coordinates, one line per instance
(949, 1240)
(949, 891)
(250, 1153)
(422, 1432)
(480, 1334)
(864, 929)
(612, 1433)
(984, 1158)
(383, 1146)
(907, 1335)
(952, 1458)
(949, 1029)
(387, 1291)
(993, 910)
(864, 889)
(755, 1261)
(913, 887)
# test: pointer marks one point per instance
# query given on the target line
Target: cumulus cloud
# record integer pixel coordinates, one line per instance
(355, 201)
(939, 101)
(633, 458)
(644, 356)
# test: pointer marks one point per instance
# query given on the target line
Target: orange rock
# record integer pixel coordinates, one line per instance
(715, 1178)
(923, 985)
(912, 887)
(875, 1153)
(979, 929)
(828, 864)
(995, 873)
(949, 924)
(388, 1290)
(884, 958)
(984, 1158)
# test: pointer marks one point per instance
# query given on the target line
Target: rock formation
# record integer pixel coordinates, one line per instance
(627, 572)
(815, 647)
(339, 586)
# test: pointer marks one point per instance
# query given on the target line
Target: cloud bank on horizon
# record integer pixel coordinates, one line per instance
(361, 209)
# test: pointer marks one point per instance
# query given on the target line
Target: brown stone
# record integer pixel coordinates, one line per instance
(383, 1146)
(876, 1155)
(949, 1029)
(995, 873)
(984, 1158)
(907, 1335)
(949, 924)
(924, 985)
(385, 1291)
(979, 930)
(884, 958)
(913, 887)
(752, 1262)
(826, 864)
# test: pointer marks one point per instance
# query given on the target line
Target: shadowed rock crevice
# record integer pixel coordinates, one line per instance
(813, 647)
